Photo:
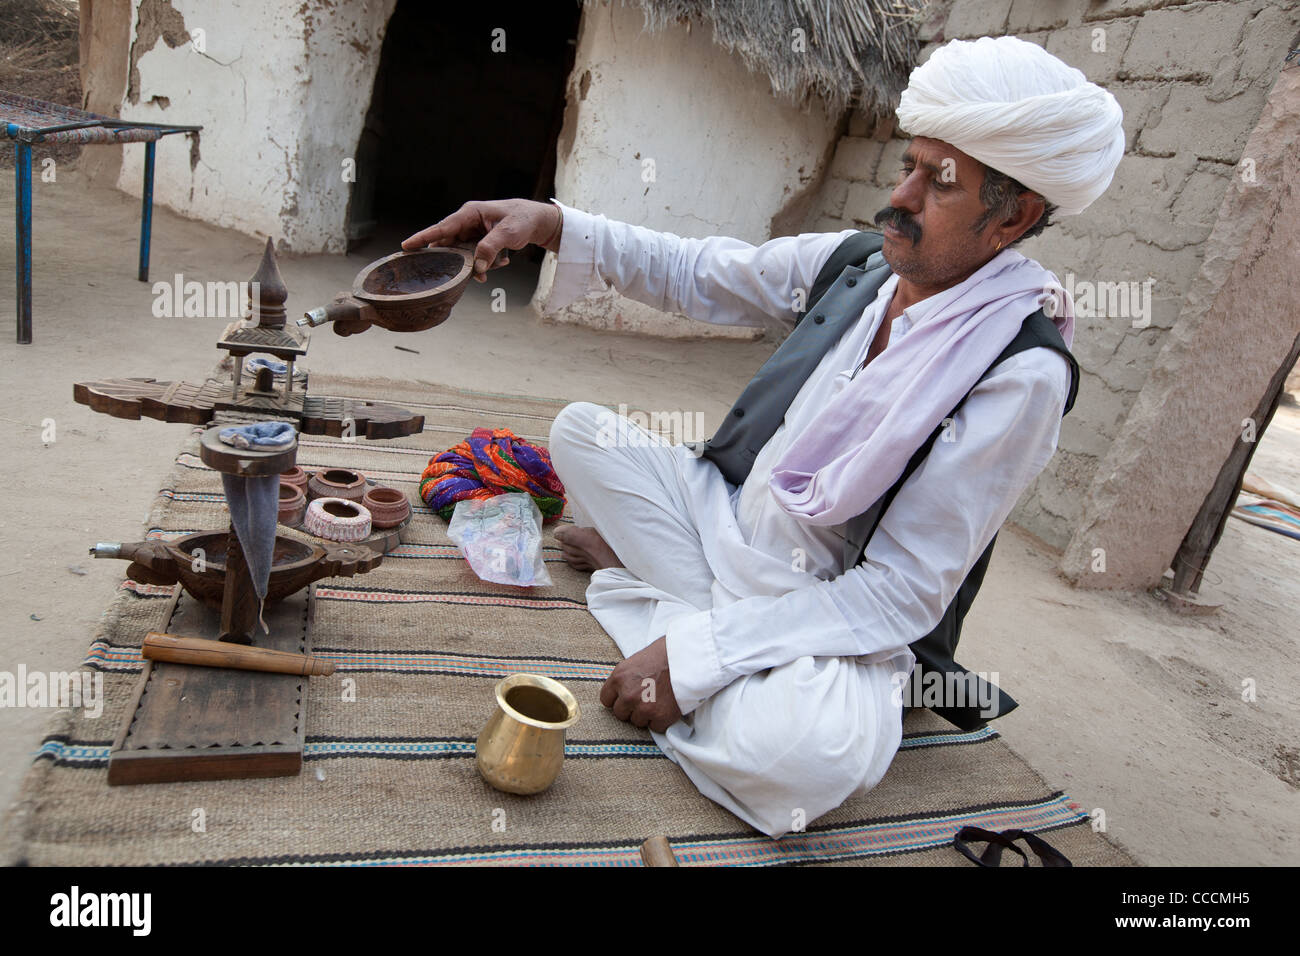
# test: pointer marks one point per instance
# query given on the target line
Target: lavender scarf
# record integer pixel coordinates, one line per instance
(859, 444)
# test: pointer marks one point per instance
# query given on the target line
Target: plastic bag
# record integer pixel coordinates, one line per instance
(501, 538)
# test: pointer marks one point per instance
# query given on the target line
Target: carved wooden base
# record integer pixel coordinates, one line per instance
(208, 723)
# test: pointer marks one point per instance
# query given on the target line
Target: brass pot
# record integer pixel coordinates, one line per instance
(522, 747)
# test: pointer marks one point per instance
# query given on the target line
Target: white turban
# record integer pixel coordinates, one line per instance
(1013, 106)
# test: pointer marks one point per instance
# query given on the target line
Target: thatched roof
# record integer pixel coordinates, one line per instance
(856, 52)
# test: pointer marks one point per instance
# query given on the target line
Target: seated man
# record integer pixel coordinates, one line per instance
(764, 652)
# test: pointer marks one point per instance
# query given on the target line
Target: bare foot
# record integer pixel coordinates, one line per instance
(586, 550)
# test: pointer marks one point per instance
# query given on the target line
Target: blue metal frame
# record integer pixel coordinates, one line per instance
(146, 210)
(23, 138)
(23, 235)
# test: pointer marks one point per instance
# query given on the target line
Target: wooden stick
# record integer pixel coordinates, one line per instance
(240, 607)
(656, 851)
(197, 650)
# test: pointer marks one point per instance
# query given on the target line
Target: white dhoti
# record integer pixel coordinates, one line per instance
(739, 588)
(779, 747)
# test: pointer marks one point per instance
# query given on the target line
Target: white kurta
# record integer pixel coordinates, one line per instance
(787, 667)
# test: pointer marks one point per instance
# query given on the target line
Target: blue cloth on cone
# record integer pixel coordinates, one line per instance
(258, 435)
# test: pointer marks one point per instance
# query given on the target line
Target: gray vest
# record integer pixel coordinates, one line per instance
(754, 419)
(848, 290)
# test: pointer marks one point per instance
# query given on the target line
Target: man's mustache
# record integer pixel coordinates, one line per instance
(900, 220)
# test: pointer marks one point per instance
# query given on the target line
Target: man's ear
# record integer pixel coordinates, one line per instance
(1031, 209)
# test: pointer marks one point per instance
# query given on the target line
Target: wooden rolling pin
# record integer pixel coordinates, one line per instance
(197, 650)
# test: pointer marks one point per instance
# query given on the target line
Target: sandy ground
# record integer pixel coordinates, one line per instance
(1129, 708)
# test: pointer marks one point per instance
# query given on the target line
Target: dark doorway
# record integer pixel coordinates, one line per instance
(467, 104)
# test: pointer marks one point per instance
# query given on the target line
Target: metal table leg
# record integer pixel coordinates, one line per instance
(146, 210)
(23, 237)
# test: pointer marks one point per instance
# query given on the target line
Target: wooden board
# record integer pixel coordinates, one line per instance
(166, 401)
(380, 541)
(275, 405)
(200, 404)
(327, 416)
(209, 723)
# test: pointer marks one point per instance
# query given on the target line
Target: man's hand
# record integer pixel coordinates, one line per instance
(639, 690)
(502, 224)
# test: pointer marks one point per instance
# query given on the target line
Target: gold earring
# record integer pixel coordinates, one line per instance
(999, 246)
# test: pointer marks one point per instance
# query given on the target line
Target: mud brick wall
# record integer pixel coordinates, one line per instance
(1192, 78)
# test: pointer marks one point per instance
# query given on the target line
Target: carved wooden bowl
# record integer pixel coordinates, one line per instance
(413, 291)
(294, 564)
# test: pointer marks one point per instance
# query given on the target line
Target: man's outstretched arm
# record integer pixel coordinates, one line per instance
(718, 279)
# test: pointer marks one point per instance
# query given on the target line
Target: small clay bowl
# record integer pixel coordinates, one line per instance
(295, 476)
(293, 505)
(337, 483)
(388, 506)
(337, 520)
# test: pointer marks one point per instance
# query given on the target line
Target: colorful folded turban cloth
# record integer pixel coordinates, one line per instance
(492, 462)
(1015, 107)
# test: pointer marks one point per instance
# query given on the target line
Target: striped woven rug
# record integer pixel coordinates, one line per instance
(389, 778)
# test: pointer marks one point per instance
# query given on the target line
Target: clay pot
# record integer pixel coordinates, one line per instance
(293, 505)
(388, 507)
(337, 520)
(337, 483)
(295, 476)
